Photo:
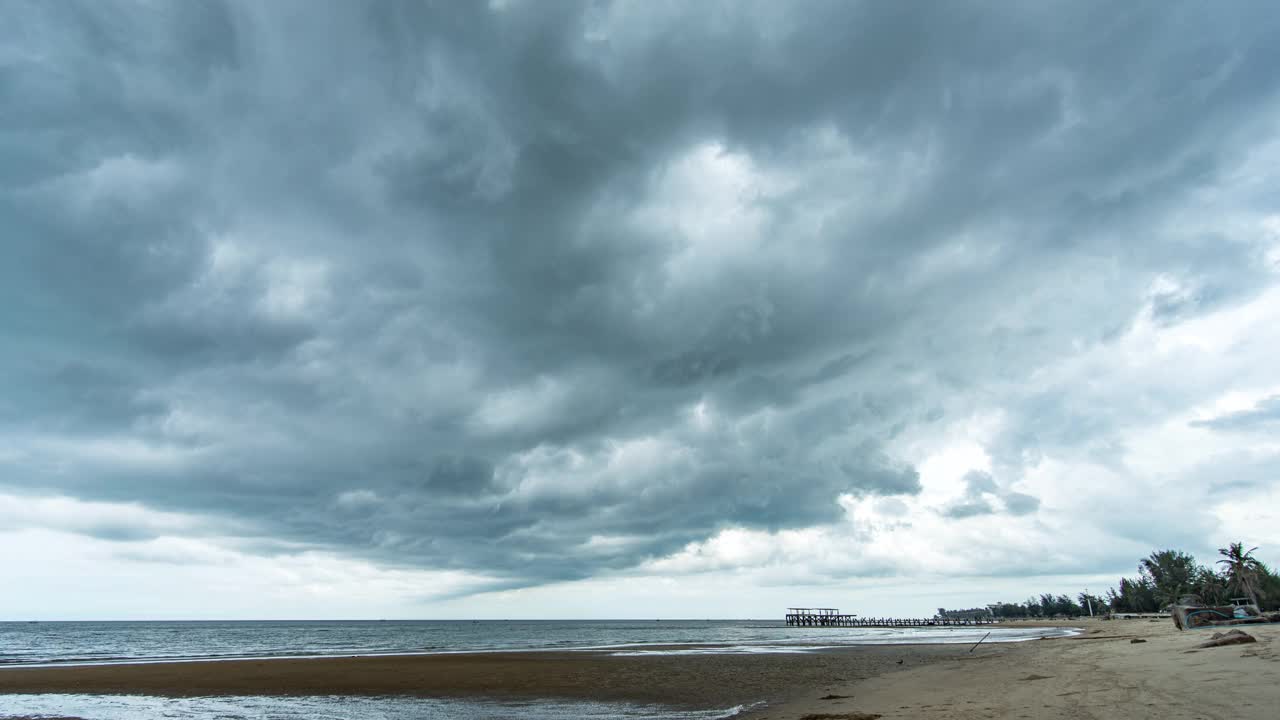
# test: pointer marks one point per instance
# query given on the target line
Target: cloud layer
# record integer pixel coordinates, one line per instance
(542, 292)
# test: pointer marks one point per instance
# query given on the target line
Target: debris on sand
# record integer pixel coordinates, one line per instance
(1231, 637)
(1135, 641)
(841, 716)
(1191, 613)
(835, 697)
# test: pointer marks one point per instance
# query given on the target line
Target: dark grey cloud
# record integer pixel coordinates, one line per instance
(981, 493)
(1020, 503)
(541, 290)
(970, 508)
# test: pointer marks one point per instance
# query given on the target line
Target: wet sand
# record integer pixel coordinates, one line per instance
(694, 681)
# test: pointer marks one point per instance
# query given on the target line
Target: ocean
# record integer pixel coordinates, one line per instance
(80, 643)
(322, 707)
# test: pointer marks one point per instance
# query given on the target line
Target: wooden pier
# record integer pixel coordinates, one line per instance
(832, 617)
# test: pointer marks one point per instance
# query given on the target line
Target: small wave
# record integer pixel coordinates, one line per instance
(726, 650)
(64, 644)
(129, 707)
(737, 710)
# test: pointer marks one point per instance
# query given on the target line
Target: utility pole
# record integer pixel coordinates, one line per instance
(1088, 599)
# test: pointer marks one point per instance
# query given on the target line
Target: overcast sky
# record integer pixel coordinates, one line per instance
(553, 309)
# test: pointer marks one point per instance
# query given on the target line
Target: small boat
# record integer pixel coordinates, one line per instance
(1191, 612)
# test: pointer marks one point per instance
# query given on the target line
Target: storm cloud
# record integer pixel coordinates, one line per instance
(542, 291)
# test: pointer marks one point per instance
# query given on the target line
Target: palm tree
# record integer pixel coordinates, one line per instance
(1209, 587)
(1242, 569)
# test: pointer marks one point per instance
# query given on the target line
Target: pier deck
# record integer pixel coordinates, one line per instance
(832, 617)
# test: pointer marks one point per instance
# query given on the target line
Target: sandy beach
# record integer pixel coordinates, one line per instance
(1101, 673)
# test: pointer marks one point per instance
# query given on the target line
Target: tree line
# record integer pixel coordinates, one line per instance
(1165, 577)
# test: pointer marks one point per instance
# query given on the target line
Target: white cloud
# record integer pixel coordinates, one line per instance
(681, 299)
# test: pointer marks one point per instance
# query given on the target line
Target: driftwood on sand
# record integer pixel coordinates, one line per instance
(1230, 637)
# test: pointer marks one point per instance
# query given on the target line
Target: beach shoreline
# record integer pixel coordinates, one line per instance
(702, 681)
(1130, 668)
(1144, 668)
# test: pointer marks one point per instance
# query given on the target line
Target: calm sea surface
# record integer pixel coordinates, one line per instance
(110, 642)
(71, 643)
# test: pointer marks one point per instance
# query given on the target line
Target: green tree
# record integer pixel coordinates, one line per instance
(1064, 605)
(1048, 608)
(1136, 596)
(1092, 603)
(1210, 586)
(1172, 574)
(1242, 569)
(1008, 610)
(1268, 588)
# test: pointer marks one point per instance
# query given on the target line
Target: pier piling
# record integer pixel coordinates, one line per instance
(832, 617)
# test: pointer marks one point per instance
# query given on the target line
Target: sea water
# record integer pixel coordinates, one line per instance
(92, 643)
(78, 643)
(142, 707)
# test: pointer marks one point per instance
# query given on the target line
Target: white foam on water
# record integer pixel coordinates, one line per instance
(726, 650)
(852, 637)
(146, 707)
